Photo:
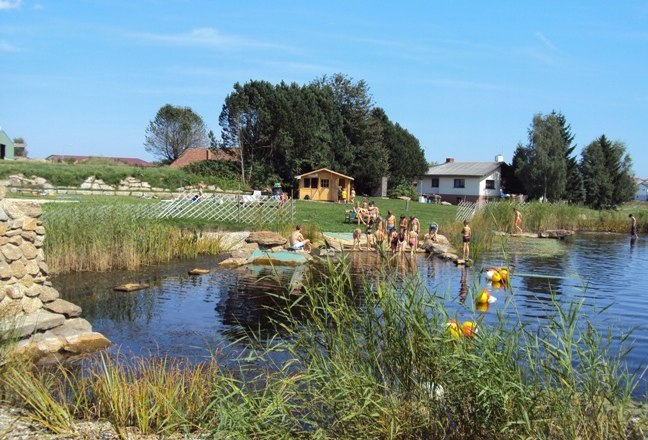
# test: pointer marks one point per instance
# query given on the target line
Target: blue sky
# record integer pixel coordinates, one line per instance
(465, 77)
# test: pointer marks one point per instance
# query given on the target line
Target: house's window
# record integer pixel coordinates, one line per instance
(434, 182)
(490, 184)
(325, 183)
(310, 182)
(460, 183)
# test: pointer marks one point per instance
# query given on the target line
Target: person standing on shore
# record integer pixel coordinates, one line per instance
(517, 222)
(633, 227)
(390, 222)
(466, 233)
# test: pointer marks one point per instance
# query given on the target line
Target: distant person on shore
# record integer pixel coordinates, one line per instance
(371, 239)
(633, 227)
(402, 240)
(339, 194)
(402, 225)
(466, 233)
(393, 241)
(357, 232)
(352, 195)
(414, 224)
(298, 242)
(390, 222)
(380, 236)
(413, 241)
(517, 222)
(344, 196)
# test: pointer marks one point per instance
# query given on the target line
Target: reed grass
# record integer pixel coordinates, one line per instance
(374, 362)
(80, 238)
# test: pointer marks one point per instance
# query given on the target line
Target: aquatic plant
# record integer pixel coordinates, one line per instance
(81, 238)
(370, 361)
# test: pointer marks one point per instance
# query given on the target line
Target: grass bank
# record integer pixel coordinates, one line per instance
(386, 369)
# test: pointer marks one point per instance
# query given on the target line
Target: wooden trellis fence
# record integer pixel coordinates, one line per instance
(239, 208)
(235, 208)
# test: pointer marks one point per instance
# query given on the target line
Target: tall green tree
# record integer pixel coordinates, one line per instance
(541, 165)
(574, 189)
(596, 178)
(407, 161)
(174, 130)
(607, 174)
(363, 155)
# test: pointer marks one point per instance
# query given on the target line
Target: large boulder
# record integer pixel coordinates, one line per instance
(266, 239)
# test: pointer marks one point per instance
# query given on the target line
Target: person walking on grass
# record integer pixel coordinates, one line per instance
(466, 233)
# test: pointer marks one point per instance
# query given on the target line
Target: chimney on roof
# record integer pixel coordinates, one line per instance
(449, 160)
(499, 158)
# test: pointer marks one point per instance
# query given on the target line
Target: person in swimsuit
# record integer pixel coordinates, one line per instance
(465, 236)
(356, 238)
(633, 227)
(413, 241)
(390, 222)
(402, 225)
(393, 241)
(298, 242)
(517, 222)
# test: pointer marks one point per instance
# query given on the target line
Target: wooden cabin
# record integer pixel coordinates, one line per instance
(322, 185)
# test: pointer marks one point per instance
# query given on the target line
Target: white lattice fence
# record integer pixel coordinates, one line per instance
(237, 208)
(227, 208)
(466, 210)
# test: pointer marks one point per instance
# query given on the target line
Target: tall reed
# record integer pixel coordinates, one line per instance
(86, 238)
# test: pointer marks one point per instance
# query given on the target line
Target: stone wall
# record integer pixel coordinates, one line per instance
(129, 186)
(31, 310)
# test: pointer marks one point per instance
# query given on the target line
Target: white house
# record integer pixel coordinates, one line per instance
(642, 190)
(458, 181)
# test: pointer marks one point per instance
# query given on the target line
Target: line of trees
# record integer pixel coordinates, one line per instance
(283, 130)
(276, 132)
(546, 167)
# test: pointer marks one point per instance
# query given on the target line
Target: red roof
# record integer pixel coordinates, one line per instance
(197, 154)
(126, 160)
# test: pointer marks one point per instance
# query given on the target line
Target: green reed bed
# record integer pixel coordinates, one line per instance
(375, 363)
(88, 237)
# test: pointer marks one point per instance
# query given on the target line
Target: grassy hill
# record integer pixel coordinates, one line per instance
(64, 174)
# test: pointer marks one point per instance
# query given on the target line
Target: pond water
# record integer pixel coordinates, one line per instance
(191, 317)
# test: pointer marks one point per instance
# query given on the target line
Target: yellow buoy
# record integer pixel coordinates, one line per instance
(483, 296)
(496, 277)
(469, 329)
(482, 307)
(453, 329)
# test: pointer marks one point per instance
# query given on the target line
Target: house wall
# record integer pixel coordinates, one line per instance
(474, 189)
(642, 192)
(8, 144)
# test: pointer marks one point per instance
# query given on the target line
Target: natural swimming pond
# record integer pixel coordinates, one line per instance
(188, 316)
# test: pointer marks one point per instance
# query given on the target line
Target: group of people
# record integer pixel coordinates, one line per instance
(380, 233)
(344, 197)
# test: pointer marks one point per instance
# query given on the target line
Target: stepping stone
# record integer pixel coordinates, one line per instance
(130, 287)
(197, 271)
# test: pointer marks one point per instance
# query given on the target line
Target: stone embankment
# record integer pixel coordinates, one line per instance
(31, 310)
(129, 186)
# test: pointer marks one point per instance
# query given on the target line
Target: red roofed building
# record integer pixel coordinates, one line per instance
(192, 155)
(79, 159)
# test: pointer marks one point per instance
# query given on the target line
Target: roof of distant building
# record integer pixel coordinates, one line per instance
(125, 160)
(468, 169)
(197, 154)
(323, 169)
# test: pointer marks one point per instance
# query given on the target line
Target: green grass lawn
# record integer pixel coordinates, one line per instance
(329, 217)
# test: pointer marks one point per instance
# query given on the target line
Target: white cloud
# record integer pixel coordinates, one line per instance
(546, 41)
(9, 4)
(202, 37)
(6, 47)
